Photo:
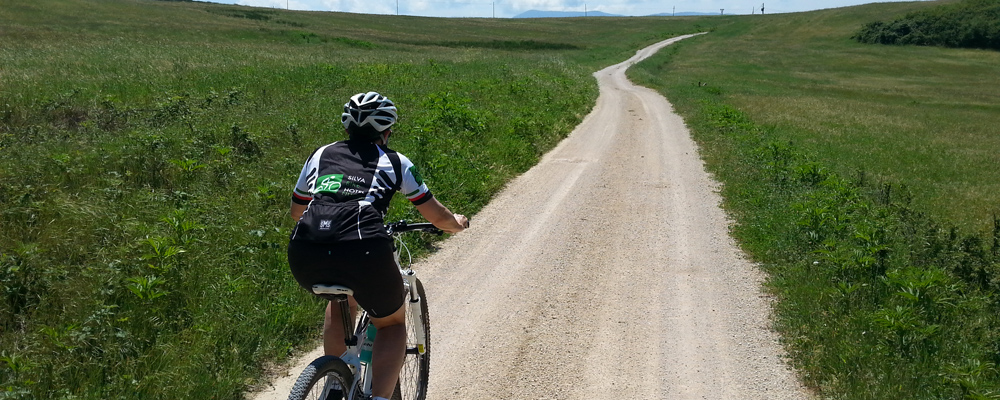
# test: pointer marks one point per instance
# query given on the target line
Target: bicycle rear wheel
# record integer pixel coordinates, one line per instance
(412, 384)
(319, 377)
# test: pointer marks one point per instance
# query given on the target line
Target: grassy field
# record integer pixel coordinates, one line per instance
(148, 150)
(863, 179)
(924, 117)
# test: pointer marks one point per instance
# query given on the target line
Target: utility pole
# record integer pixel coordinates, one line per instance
(397, 7)
(722, 11)
(674, 13)
(584, 9)
(761, 8)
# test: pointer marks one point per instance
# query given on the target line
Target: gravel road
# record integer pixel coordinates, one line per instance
(606, 271)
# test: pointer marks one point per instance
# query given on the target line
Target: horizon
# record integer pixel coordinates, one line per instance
(514, 8)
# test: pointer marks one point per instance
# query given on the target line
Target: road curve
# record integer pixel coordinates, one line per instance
(606, 271)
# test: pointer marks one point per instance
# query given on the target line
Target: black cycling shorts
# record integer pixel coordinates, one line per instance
(366, 266)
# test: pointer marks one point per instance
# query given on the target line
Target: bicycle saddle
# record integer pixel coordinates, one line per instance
(332, 289)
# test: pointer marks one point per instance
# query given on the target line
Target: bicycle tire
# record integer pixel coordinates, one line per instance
(413, 377)
(312, 381)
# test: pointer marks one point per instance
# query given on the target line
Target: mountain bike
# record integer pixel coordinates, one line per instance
(348, 377)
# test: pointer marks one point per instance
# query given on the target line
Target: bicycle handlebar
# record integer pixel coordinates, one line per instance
(403, 226)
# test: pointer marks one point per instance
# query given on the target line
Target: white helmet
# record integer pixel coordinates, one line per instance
(369, 111)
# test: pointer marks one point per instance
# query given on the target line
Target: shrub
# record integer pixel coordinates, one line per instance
(968, 24)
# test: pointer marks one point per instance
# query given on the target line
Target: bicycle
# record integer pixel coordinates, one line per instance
(327, 374)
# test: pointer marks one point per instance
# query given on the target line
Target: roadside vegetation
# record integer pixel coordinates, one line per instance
(971, 24)
(148, 150)
(863, 179)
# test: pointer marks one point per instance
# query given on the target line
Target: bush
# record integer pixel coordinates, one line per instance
(968, 24)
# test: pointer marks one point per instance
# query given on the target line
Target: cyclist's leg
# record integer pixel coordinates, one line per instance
(325, 263)
(378, 288)
(388, 352)
(333, 328)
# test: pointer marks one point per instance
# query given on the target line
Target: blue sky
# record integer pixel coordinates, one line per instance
(510, 8)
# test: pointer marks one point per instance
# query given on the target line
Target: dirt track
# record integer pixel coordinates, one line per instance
(606, 271)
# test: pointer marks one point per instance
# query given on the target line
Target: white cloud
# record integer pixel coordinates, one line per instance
(360, 6)
(548, 5)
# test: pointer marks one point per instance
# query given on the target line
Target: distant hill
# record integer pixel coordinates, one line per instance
(567, 14)
(562, 14)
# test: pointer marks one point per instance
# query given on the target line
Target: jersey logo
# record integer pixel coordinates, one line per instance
(329, 183)
(416, 175)
(325, 224)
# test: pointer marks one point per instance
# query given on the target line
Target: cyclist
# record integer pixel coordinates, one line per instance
(339, 204)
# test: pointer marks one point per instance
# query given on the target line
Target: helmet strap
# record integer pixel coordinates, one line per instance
(384, 137)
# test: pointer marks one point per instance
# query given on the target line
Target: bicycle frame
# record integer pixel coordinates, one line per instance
(414, 307)
(409, 277)
(352, 335)
(356, 337)
(352, 356)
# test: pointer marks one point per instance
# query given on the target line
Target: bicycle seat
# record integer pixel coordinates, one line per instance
(332, 289)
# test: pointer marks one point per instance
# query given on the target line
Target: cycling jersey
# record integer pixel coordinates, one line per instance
(347, 186)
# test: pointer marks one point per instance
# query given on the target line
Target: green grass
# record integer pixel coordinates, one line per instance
(148, 150)
(921, 116)
(844, 166)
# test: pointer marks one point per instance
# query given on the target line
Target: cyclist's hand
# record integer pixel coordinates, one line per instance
(462, 222)
(439, 215)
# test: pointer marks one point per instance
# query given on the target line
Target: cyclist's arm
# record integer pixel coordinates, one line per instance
(439, 215)
(302, 194)
(430, 208)
(297, 210)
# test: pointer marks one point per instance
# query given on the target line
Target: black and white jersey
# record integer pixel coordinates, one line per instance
(347, 186)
